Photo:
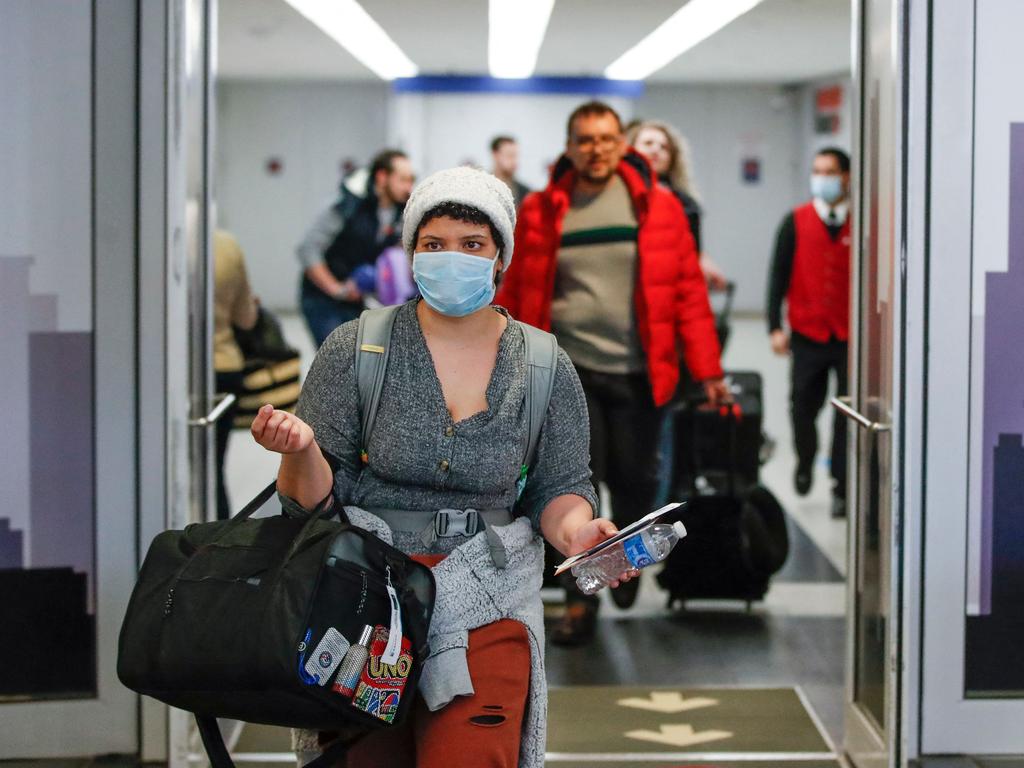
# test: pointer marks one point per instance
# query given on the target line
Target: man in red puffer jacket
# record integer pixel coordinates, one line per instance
(605, 261)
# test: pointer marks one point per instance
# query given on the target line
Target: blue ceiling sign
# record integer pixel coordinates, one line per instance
(588, 86)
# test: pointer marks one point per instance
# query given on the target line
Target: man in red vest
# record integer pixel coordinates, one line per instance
(811, 271)
(605, 260)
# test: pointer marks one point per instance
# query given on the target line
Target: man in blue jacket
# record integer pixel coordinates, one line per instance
(351, 232)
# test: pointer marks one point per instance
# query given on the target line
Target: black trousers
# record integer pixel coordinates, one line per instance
(812, 363)
(625, 426)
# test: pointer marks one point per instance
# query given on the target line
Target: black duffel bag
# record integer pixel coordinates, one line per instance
(225, 617)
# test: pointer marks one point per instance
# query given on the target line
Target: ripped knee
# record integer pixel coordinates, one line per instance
(491, 716)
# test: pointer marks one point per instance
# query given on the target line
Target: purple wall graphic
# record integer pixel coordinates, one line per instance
(63, 465)
(994, 664)
(47, 479)
(48, 517)
(1003, 404)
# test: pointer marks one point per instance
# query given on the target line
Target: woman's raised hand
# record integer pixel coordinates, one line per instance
(280, 431)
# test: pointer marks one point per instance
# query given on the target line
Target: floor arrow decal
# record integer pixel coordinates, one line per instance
(678, 735)
(668, 702)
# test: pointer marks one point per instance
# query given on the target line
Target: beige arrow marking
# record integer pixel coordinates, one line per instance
(678, 735)
(668, 702)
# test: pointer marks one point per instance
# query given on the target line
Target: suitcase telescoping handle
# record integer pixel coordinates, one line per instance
(730, 293)
(732, 413)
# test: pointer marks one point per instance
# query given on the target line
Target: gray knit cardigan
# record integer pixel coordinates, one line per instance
(420, 459)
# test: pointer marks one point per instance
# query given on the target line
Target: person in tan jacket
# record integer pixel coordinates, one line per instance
(233, 305)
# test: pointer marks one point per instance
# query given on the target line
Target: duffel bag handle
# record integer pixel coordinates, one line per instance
(262, 497)
(217, 750)
(324, 509)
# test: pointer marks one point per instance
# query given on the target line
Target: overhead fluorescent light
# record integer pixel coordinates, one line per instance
(693, 23)
(516, 31)
(351, 27)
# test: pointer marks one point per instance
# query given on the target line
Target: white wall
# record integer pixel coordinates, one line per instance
(444, 129)
(312, 128)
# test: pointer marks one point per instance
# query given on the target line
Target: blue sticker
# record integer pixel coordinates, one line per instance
(304, 676)
(636, 552)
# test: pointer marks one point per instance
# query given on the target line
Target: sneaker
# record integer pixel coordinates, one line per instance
(838, 508)
(625, 594)
(577, 625)
(802, 481)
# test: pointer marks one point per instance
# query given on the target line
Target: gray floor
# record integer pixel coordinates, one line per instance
(796, 637)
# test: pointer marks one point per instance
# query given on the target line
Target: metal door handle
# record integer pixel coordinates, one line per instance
(219, 409)
(843, 405)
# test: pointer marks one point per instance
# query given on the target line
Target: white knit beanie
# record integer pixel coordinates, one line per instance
(468, 186)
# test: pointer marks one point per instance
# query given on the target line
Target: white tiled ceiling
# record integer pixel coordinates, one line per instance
(778, 41)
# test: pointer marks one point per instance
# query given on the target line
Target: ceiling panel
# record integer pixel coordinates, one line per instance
(268, 39)
(443, 37)
(778, 41)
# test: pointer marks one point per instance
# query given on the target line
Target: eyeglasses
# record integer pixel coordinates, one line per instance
(587, 143)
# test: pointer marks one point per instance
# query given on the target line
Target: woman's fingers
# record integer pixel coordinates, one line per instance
(279, 431)
(274, 433)
(294, 437)
(259, 424)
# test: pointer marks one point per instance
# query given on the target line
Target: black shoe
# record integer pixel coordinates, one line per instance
(838, 507)
(802, 481)
(625, 594)
(577, 625)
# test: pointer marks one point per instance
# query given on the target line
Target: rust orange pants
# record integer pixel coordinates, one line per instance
(479, 731)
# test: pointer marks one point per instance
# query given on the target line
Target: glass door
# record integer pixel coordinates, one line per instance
(871, 614)
(192, 410)
(67, 341)
(973, 620)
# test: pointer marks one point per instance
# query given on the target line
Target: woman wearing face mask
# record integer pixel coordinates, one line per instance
(669, 154)
(450, 434)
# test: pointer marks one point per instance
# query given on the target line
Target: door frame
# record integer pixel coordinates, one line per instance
(867, 743)
(950, 722)
(107, 722)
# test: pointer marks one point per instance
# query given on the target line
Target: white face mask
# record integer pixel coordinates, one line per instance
(454, 283)
(826, 187)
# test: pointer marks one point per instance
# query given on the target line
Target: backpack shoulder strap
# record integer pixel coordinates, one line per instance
(541, 362)
(373, 342)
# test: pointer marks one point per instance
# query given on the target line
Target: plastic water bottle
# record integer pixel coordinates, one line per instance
(649, 546)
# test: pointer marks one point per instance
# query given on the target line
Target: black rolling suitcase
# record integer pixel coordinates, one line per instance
(736, 529)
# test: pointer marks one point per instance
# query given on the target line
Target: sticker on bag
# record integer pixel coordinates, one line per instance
(325, 658)
(381, 685)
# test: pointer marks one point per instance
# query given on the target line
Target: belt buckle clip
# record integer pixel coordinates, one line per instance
(455, 522)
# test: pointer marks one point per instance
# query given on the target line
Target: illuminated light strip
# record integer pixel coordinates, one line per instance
(351, 27)
(692, 24)
(516, 30)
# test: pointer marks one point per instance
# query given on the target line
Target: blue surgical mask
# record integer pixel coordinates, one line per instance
(826, 187)
(454, 283)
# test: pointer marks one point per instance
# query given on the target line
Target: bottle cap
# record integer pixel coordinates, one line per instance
(364, 638)
(679, 528)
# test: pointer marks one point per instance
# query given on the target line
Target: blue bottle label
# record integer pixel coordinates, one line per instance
(636, 552)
